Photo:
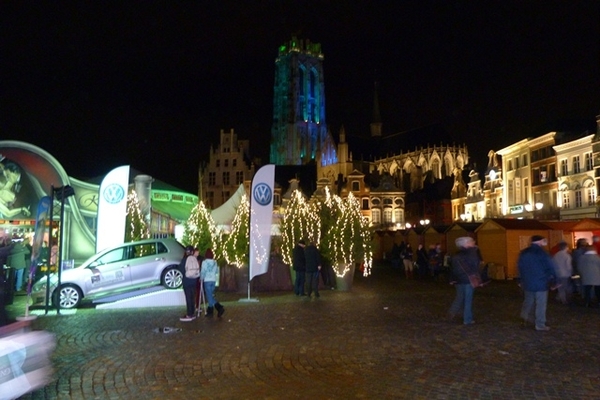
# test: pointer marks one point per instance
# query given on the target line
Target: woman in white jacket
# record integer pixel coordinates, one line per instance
(209, 274)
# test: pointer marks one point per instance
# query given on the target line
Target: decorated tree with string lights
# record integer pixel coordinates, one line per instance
(137, 229)
(236, 243)
(345, 234)
(300, 221)
(336, 225)
(200, 230)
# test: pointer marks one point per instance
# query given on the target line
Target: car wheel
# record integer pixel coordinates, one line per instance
(171, 278)
(67, 296)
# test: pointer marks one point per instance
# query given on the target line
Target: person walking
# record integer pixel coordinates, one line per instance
(563, 270)
(464, 263)
(589, 269)
(190, 272)
(407, 259)
(209, 276)
(536, 271)
(5, 249)
(313, 266)
(18, 261)
(299, 265)
(422, 262)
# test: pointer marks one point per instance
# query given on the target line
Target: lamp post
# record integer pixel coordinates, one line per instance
(61, 194)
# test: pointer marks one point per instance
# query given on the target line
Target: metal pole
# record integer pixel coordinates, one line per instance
(60, 246)
(51, 211)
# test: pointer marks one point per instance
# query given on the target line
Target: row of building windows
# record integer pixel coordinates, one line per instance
(226, 162)
(390, 216)
(239, 178)
(590, 199)
(588, 164)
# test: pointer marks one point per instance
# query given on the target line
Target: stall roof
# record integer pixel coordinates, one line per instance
(467, 226)
(515, 224)
(586, 224)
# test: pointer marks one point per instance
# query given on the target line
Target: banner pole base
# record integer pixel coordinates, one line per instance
(248, 300)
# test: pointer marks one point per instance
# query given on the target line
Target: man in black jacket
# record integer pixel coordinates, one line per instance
(299, 265)
(313, 266)
(464, 263)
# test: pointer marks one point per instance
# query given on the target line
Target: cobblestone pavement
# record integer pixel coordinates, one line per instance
(387, 338)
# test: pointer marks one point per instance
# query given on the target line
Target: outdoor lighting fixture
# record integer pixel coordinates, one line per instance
(424, 222)
(528, 207)
(539, 206)
(407, 225)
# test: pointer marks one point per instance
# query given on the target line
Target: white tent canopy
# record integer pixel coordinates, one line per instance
(223, 215)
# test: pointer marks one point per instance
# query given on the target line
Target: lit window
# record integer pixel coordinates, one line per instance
(578, 198)
(576, 167)
(564, 167)
(589, 162)
(566, 200)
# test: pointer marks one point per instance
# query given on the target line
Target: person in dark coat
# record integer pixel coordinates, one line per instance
(18, 260)
(313, 266)
(299, 265)
(407, 259)
(536, 271)
(422, 262)
(464, 263)
(5, 249)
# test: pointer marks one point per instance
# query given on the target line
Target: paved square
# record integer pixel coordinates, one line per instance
(387, 338)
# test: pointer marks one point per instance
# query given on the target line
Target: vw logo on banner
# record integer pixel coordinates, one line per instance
(262, 194)
(113, 193)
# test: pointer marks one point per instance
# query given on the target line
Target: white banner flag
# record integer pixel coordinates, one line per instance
(261, 218)
(112, 208)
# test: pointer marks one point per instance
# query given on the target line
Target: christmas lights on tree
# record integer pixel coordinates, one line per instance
(200, 230)
(335, 225)
(300, 221)
(137, 228)
(235, 245)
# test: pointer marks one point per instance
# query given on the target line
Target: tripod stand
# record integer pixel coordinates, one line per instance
(201, 307)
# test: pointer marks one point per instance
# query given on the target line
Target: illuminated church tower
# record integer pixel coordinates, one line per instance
(299, 129)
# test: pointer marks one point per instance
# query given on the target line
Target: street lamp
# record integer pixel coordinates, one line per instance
(60, 194)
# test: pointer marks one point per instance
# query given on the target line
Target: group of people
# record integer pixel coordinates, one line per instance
(306, 261)
(539, 272)
(199, 274)
(584, 262)
(429, 263)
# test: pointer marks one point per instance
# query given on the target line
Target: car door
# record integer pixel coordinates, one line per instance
(110, 271)
(144, 264)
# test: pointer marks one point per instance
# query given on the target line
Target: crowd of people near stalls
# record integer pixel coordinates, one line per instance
(577, 270)
(421, 263)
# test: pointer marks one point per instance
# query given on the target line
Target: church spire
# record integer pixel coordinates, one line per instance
(376, 124)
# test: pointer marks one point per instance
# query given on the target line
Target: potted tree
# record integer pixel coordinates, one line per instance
(336, 226)
(236, 244)
(345, 238)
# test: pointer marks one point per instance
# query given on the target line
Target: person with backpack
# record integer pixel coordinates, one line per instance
(190, 269)
(209, 276)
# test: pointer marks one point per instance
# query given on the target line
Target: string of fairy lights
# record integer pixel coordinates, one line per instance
(138, 228)
(336, 225)
(201, 231)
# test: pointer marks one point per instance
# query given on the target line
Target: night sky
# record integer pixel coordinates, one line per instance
(150, 84)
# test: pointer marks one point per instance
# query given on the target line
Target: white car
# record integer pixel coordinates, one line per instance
(122, 268)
